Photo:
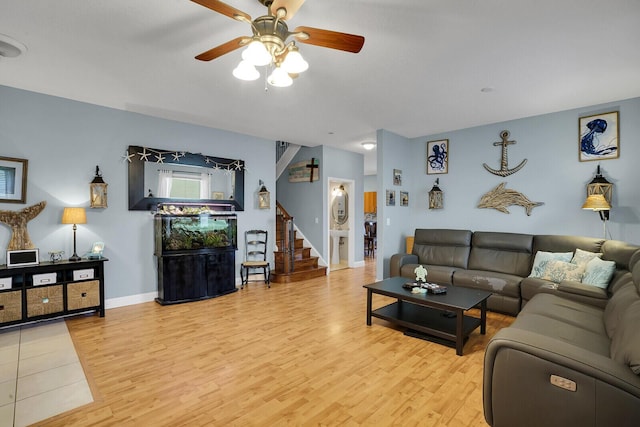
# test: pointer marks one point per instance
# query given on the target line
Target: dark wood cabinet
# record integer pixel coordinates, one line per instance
(49, 290)
(195, 276)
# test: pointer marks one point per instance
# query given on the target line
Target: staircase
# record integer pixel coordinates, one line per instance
(293, 262)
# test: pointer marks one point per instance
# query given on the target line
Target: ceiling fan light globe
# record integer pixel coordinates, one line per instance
(256, 54)
(294, 63)
(245, 71)
(279, 78)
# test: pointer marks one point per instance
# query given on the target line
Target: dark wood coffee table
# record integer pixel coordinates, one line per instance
(430, 314)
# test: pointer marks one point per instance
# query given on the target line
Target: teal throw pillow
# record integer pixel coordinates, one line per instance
(599, 273)
(542, 258)
(557, 271)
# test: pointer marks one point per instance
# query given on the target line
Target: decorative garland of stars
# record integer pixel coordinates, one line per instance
(150, 154)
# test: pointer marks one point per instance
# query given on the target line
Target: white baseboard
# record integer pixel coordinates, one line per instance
(129, 300)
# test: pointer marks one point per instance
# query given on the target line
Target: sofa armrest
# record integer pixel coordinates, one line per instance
(518, 361)
(398, 260)
(578, 288)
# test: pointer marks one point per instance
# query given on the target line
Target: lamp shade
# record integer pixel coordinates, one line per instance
(279, 78)
(74, 216)
(596, 202)
(294, 63)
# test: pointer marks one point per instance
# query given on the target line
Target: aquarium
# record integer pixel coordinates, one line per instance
(188, 228)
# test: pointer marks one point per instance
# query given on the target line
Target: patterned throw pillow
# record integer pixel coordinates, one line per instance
(583, 257)
(557, 271)
(598, 273)
(542, 258)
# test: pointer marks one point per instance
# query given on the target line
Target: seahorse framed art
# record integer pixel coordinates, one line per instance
(438, 156)
(13, 180)
(599, 137)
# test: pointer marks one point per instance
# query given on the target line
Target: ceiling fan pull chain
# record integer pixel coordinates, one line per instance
(266, 86)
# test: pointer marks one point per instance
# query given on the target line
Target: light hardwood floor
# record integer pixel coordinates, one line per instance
(294, 354)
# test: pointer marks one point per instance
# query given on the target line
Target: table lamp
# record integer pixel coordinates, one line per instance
(74, 216)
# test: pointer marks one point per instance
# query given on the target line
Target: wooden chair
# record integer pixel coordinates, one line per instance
(255, 248)
(370, 238)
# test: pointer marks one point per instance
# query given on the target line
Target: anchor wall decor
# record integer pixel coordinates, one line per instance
(504, 162)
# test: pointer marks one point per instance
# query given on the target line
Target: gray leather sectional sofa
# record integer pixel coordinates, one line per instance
(501, 263)
(568, 363)
(572, 356)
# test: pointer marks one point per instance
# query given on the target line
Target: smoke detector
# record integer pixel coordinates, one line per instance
(10, 48)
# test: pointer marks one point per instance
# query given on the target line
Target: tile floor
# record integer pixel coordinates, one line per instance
(40, 374)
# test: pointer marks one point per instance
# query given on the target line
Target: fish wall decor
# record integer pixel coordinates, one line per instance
(500, 197)
(17, 220)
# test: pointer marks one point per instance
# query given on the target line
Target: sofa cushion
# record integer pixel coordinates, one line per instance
(508, 253)
(568, 311)
(542, 258)
(442, 247)
(557, 271)
(557, 243)
(499, 283)
(618, 304)
(598, 272)
(564, 331)
(440, 274)
(581, 257)
(625, 343)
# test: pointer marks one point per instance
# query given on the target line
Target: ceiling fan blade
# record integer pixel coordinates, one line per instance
(291, 7)
(227, 47)
(331, 39)
(223, 8)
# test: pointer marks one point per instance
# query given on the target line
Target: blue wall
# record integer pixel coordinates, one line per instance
(308, 201)
(64, 141)
(553, 175)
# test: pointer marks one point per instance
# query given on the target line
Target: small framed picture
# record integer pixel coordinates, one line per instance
(404, 198)
(397, 177)
(599, 137)
(13, 180)
(391, 197)
(438, 156)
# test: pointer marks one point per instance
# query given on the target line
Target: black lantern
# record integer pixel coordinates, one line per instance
(264, 197)
(436, 196)
(98, 191)
(599, 192)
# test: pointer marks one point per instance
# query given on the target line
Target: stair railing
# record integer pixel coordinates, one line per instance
(287, 238)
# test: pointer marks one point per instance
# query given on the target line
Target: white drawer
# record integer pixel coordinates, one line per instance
(83, 274)
(5, 283)
(44, 279)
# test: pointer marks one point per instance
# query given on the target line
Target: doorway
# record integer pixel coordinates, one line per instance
(341, 235)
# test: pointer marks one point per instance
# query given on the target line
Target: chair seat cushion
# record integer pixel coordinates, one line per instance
(255, 263)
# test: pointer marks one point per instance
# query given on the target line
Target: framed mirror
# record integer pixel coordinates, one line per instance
(165, 176)
(340, 206)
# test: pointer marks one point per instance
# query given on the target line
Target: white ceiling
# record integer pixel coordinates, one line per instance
(421, 70)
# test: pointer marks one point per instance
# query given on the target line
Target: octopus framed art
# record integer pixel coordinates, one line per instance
(438, 156)
(599, 137)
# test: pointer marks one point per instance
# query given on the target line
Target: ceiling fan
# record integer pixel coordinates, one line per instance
(268, 45)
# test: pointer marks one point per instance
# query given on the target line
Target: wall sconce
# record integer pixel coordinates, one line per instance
(98, 191)
(599, 192)
(264, 197)
(74, 216)
(436, 196)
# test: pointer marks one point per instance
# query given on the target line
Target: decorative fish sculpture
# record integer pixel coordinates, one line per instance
(500, 197)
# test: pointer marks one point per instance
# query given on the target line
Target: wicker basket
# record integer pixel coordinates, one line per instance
(10, 306)
(44, 300)
(83, 295)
